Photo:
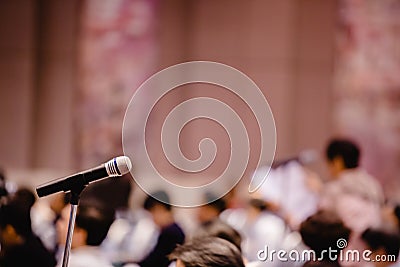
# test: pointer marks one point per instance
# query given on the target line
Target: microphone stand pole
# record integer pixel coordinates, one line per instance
(74, 201)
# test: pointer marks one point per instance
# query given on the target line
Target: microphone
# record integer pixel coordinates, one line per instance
(115, 167)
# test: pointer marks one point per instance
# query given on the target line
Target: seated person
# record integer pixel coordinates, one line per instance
(3, 188)
(252, 222)
(19, 246)
(207, 251)
(44, 215)
(384, 246)
(352, 193)
(131, 237)
(321, 232)
(218, 228)
(210, 211)
(25, 196)
(396, 212)
(93, 220)
(171, 233)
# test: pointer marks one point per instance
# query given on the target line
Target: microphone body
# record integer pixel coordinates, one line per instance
(114, 167)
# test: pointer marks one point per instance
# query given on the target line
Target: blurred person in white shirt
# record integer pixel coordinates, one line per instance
(259, 227)
(291, 188)
(352, 193)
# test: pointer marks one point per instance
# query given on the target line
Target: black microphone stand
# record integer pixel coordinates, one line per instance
(74, 201)
(76, 184)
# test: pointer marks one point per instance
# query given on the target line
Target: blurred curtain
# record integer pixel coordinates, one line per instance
(117, 52)
(367, 85)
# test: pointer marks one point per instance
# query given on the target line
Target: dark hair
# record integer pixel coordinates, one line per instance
(322, 230)
(3, 189)
(397, 213)
(218, 228)
(113, 192)
(208, 251)
(347, 150)
(259, 204)
(160, 198)
(17, 215)
(376, 239)
(219, 204)
(25, 196)
(95, 218)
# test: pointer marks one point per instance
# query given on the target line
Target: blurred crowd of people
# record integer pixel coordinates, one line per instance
(294, 210)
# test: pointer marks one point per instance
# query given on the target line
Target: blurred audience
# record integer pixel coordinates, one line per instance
(19, 245)
(281, 216)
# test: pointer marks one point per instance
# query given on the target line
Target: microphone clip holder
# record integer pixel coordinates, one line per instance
(74, 201)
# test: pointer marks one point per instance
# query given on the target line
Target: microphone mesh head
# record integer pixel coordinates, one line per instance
(118, 166)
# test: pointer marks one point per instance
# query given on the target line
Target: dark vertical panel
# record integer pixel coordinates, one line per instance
(17, 62)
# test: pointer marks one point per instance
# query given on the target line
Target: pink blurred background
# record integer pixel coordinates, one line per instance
(68, 69)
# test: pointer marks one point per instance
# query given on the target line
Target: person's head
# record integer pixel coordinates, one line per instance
(3, 189)
(342, 154)
(58, 202)
(24, 196)
(218, 228)
(93, 220)
(158, 205)
(212, 210)
(115, 192)
(322, 231)
(390, 218)
(207, 251)
(15, 223)
(256, 206)
(397, 214)
(382, 243)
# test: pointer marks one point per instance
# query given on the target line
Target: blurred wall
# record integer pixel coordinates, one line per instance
(37, 81)
(118, 49)
(367, 85)
(285, 46)
(17, 78)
